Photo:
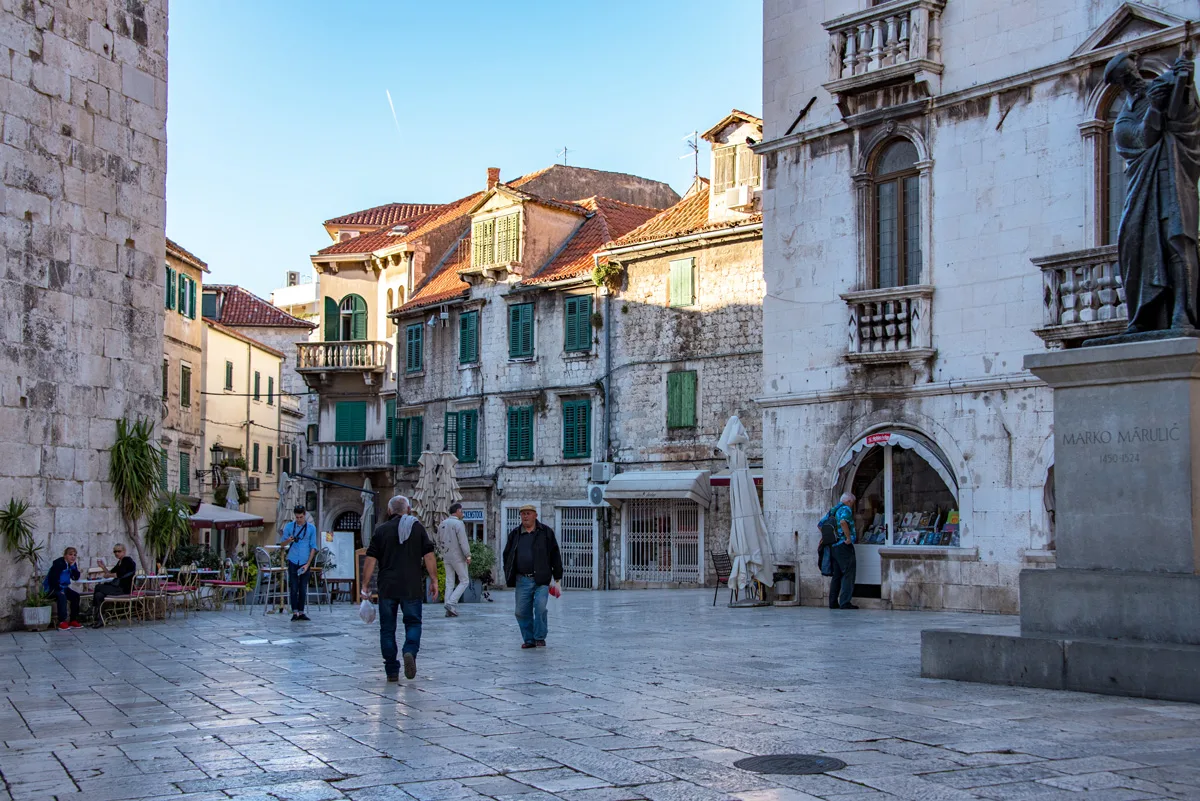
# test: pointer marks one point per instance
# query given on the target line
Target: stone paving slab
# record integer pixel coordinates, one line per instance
(640, 696)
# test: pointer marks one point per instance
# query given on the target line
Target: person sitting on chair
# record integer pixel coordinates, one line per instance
(63, 571)
(122, 582)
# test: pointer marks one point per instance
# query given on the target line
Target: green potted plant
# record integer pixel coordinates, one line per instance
(168, 526)
(134, 471)
(17, 534)
(483, 561)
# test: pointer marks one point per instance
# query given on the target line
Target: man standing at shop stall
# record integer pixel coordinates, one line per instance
(531, 562)
(843, 562)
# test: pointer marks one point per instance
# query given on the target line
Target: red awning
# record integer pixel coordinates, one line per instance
(220, 518)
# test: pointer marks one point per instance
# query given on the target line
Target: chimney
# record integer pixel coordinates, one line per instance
(493, 177)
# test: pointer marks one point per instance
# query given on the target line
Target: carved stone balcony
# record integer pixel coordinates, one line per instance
(332, 457)
(890, 326)
(1084, 296)
(885, 55)
(319, 362)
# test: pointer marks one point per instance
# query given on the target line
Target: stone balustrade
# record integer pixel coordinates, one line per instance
(887, 35)
(1083, 296)
(360, 355)
(890, 325)
(369, 455)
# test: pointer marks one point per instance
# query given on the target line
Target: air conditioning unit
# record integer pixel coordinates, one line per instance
(595, 495)
(293, 278)
(254, 484)
(603, 472)
(740, 197)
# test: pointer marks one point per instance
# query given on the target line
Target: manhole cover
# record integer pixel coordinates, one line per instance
(790, 764)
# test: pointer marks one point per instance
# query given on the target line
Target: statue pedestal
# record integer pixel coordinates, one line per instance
(1121, 612)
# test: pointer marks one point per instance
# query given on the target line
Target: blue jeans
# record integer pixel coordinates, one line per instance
(531, 608)
(297, 587)
(66, 598)
(841, 583)
(411, 612)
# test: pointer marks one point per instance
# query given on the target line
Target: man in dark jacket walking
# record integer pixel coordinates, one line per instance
(531, 561)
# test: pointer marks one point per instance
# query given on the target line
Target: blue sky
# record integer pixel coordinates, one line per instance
(278, 120)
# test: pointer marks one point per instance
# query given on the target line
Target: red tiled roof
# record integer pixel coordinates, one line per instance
(529, 197)
(224, 329)
(242, 308)
(733, 116)
(688, 216)
(609, 219)
(387, 214)
(174, 250)
(442, 287)
(386, 236)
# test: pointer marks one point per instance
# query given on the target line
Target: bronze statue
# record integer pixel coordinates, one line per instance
(1158, 135)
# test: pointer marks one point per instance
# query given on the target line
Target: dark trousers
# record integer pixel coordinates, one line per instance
(411, 612)
(297, 587)
(67, 597)
(103, 591)
(841, 583)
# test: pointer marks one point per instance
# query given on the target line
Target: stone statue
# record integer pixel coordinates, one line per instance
(1158, 135)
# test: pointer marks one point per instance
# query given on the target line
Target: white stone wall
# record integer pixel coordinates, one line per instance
(83, 94)
(1010, 178)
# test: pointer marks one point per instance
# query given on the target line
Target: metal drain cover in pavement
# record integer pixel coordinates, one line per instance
(790, 764)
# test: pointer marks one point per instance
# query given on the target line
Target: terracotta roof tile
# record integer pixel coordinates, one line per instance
(688, 216)
(174, 250)
(241, 308)
(609, 219)
(387, 214)
(387, 236)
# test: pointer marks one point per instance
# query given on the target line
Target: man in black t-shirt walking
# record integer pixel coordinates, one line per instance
(401, 547)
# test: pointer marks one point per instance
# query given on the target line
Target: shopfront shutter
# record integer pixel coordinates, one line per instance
(468, 431)
(332, 315)
(450, 435)
(350, 423)
(170, 288)
(185, 473)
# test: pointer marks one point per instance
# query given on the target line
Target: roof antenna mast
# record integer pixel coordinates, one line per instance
(693, 143)
(563, 153)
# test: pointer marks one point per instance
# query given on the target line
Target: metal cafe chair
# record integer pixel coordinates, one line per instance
(270, 580)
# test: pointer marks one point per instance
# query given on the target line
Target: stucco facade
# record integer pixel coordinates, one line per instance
(81, 287)
(183, 360)
(991, 119)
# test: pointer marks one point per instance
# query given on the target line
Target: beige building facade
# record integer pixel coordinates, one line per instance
(182, 428)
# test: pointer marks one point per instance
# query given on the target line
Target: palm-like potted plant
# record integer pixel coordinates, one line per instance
(17, 533)
(168, 527)
(134, 471)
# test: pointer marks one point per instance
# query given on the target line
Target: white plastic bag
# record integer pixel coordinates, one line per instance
(555, 589)
(366, 611)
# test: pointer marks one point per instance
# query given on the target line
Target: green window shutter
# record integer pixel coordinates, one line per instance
(468, 431)
(191, 299)
(477, 244)
(257, 382)
(332, 315)
(578, 323)
(450, 435)
(520, 433)
(165, 373)
(358, 321)
(514, 417)
(520, 330)
(577, 429)
(568, 426)
(414, 348)
(468, 337)
(162, 470)
(389, 412)
(270, 459)
(527, 433)
(170, 288)
(416, 439)
(228, 375)
(185, 386)
(181, 294)
(682, 282)
(185, 473)
(208, 305)
(681, 399)
(400, 443)
(350, 421)
(270, 390)
(254, 458)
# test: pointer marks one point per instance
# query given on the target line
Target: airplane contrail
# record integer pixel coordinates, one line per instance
(393, 108)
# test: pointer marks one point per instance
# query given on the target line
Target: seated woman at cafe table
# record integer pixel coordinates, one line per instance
(57, 583)
(122, 582)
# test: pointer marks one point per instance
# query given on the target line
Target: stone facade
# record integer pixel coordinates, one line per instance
(84, 97)
(982, 136)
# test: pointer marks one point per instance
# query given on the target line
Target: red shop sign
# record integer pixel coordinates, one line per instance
(879, 439)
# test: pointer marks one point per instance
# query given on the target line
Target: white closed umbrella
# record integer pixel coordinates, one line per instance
(231, 494)
(368, 513)
(749, 544)
(445, 488)
(423, 497)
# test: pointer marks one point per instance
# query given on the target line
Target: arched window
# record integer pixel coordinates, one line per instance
(348, 521)
(1113, 183)
(897, 201)
(352, 318)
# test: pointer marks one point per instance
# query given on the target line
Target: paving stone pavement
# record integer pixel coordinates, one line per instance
(640, 695)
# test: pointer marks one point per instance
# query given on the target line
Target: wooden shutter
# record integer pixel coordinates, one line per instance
(568, 426)
(682, 282)
(681, 399)
(416, 438)
(508, 238)
(414, 347)
(450, 435)
(185, 386)
(483, 243)
(181, 294)
(191, 299)
(724, 167)
(468, 431)
(520, 330)
(162, 471)
(468, 337)
(520, 434)
(350, 421)
(583, 429)
(228, 375)
(270, 459)
(400, 452)
(748, 167)
(270, 390)
(185, 473)
(170, 288)
(254, 460)
(257, 383)
(578, 323)
(332, 318)
(165, 377)
(358, 318)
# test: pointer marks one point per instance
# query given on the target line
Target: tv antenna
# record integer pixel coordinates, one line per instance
(563, 153)
(693, 144)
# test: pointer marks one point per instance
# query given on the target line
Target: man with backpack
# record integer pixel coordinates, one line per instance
(837, 537)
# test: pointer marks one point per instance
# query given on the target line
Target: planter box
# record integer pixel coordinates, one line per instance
(474, 593)
(36, 617)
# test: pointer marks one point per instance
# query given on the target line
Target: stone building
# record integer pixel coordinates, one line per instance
(941, 198)
(251, 316)
(83, 162)
(369, 428)
(683, 352)
(183, 360)
(242, 421)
